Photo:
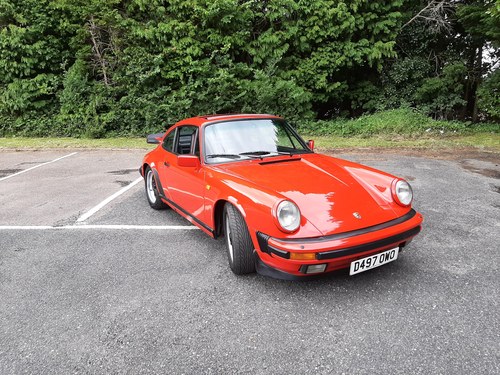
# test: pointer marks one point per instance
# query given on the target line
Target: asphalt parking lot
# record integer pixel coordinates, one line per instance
(90, 284)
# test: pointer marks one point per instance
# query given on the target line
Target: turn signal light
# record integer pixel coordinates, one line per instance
(303, 256)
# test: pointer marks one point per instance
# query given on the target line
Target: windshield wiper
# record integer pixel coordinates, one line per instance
(258, 153)
(228, 156)
(267, 153)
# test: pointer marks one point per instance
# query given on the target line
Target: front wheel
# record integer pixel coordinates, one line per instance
(152, 190)
(238, 242)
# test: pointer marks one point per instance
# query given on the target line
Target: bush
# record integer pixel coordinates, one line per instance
(394, 123)
(442, 96)
(489, 96)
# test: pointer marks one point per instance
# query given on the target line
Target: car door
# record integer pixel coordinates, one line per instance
(166, 160)
(187, 184)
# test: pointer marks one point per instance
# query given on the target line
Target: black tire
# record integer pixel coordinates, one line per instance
(239, 245)
(152, 190)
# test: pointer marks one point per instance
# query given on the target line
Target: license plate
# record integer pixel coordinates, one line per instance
(374, 261)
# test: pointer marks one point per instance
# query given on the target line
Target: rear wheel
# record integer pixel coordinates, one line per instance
(238, 242)
(152, 190)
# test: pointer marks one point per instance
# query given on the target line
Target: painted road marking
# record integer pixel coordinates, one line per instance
(111, 226)
(92, 211)
(37, 166)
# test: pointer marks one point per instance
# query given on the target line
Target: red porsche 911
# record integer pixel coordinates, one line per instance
(284, 210)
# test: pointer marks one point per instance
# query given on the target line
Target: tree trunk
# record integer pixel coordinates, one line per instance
(97, 48)
(478, 71)
(469, 83)
(474, 72)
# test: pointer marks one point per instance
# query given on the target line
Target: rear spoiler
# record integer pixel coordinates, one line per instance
(155, 138)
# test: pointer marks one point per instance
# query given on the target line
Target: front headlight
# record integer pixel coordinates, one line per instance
(288, 216)
(403, 193)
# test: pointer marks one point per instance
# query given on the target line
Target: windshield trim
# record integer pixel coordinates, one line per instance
(290, 128)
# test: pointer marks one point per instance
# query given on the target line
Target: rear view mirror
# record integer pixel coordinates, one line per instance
(310, 144)
(154, 138)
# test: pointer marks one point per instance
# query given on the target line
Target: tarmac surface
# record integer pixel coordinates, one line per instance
(117, 293)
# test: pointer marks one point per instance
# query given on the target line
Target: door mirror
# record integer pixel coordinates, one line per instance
(188, 161)
(154, 138)
(310, 144)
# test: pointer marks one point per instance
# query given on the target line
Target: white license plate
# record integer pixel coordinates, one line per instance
(373, 261)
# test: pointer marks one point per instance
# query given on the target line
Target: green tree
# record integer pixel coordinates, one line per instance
(104, 67)
(439, 41)
(443, 95)
(33, 56)
(481, 31)
(489, 96)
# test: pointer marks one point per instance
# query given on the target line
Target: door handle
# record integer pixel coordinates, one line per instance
(166, 164)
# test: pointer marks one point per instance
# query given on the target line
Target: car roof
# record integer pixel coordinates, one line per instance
(201, 120)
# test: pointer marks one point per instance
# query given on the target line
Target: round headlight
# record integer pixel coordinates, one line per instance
(403, 191)
(288, 215)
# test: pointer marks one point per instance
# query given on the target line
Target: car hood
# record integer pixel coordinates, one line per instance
(333, 195)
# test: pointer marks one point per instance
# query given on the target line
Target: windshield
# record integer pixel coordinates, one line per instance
(246, 139)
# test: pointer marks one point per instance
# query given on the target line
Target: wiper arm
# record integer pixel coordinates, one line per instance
(267, 153)
(258, 153)
(228, 156)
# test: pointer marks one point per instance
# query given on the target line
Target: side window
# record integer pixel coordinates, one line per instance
(168, 142)
(186, 139)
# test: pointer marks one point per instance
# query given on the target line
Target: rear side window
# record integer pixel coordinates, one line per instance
(187, 137)
(168, 142)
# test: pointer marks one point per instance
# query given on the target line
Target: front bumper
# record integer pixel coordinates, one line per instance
(337, 251)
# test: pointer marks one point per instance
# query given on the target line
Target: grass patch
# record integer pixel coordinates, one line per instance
(480, 141)
(84, 143)
(404, 122)
(486, 141)
(401, 128)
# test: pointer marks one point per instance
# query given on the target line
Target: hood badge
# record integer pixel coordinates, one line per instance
(356, 215)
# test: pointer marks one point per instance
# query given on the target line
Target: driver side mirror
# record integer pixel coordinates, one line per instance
(154, 138)
(310, 144)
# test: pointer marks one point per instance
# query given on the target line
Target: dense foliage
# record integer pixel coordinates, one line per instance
(105, 67)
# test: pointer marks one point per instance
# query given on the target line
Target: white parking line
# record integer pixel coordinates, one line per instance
(37, 166)
(111, 226)
(92, 211)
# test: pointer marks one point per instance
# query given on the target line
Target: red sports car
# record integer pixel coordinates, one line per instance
(285, 211)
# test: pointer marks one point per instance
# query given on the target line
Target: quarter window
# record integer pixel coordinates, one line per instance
(187, 137)
(168, 142)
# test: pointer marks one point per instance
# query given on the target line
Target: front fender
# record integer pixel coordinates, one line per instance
(254, 203)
